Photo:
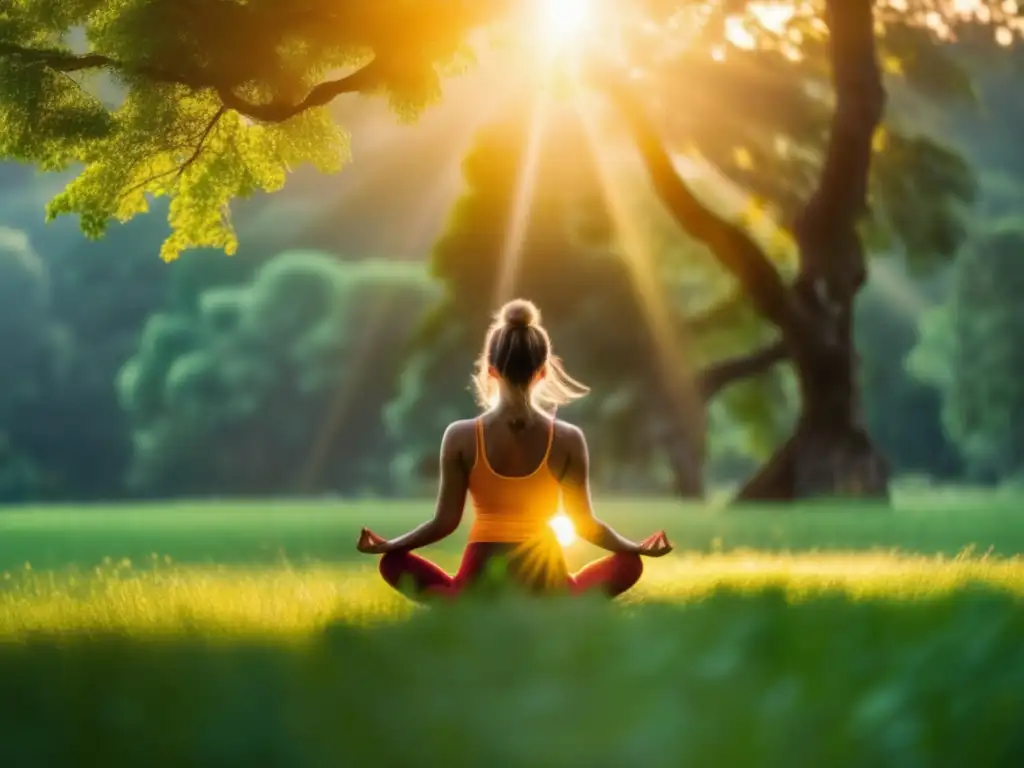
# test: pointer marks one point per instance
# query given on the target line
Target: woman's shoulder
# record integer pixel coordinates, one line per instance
(568, 433)
(568, 448)
(462, 428)
(458, 430)
(459, 442)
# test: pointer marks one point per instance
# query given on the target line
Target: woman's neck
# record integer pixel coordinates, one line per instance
(515, 405)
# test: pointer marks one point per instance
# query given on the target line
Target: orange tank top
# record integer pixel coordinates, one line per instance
(511, 509)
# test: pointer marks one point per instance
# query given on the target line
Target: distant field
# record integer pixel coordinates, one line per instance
(324, 532)
(254, 634)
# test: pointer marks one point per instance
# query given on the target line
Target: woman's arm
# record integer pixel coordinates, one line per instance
(451, 498)
(577, 502)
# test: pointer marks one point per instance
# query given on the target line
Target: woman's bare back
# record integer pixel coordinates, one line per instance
(518, 452)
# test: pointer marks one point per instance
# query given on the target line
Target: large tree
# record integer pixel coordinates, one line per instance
(830, 451)
(216, 100)
(205, 101)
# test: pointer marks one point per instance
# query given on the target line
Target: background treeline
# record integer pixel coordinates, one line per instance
(327, 355)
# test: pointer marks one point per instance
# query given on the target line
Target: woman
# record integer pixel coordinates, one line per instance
(519, 465)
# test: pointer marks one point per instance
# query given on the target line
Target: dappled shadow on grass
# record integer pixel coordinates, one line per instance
(737, 678)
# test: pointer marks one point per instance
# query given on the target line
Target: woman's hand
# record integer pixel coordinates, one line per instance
(655, 545)
(372, 544)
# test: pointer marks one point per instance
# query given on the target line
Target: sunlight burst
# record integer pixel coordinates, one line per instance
(563, 22)
(565, 531)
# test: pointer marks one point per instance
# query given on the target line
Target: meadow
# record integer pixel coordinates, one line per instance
(232, 633)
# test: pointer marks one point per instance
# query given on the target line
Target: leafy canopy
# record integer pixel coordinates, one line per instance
(205, 101)
(756, 82)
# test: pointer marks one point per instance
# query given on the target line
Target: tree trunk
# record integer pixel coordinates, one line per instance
(830, 452)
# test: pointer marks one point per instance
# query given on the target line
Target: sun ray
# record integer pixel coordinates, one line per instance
(438, 199)
(673, 367)
(453, 129)
(540, 560)
(361, 361)
(522, 203)
(380, 152)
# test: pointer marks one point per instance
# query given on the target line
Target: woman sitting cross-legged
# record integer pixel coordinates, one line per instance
(519, 466)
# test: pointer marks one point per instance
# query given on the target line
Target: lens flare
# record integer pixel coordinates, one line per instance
(564, 530)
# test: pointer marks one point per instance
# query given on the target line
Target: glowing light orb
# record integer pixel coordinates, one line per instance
(564, 21)
(564, 530)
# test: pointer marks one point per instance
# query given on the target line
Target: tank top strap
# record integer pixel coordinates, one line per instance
(551, 441)
(481, 457)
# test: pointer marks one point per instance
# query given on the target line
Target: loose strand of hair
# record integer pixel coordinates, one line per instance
(558, 388)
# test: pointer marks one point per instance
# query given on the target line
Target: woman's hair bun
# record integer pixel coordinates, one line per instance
(520, 313)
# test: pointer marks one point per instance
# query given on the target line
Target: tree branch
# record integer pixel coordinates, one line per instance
(202, 140)
(833, 256)
(714, 317)
(62, 61)
(366, 78)
(720, 375)
(732, 246)
(188, 161)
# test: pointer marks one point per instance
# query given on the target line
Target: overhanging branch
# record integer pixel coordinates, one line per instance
(364, 79)
(720, 375)
(718, 315)
(62, 61)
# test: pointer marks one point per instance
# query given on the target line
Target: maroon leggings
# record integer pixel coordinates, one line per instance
(408, 572)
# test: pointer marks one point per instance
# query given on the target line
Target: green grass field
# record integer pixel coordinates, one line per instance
(254, 634)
